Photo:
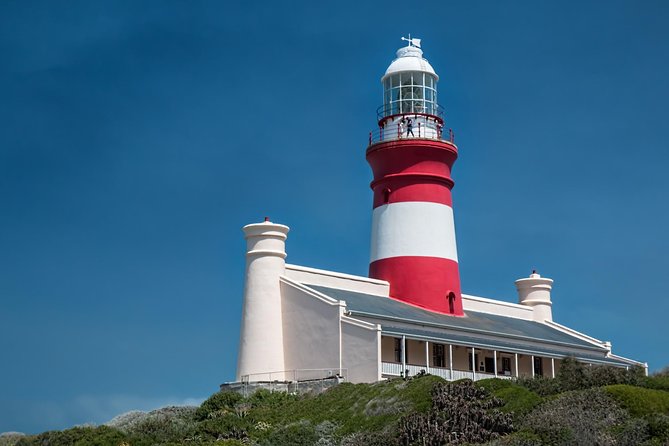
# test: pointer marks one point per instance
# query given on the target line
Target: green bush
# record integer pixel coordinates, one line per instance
(517, 399)
(218, 402)
(80, 436)
(268, 399)
(295, 434)
(461, 413)
(574, 375)
(227, 426)
(578, 417)
(658, 424)
(658, 382)
(640, 401)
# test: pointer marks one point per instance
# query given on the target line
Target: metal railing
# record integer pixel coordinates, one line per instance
(395, 131)
(296, 375)
(397, 369)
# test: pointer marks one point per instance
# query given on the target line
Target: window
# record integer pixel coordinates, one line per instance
(398, 350)
(476, 359)
(506, 366)
(438, 356)
(451, 302)
(538, 366)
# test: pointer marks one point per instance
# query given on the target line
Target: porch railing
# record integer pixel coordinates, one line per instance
(396, 369)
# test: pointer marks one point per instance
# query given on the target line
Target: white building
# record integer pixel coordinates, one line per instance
(301, 323)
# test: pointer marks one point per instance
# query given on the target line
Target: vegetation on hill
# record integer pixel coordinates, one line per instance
(581, 406)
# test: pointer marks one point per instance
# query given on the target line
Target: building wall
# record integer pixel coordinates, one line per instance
(313, 276)
(310, 329)
(361, 350)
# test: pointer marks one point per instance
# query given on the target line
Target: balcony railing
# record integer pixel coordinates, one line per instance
(422, 129)
(397, 369)
(410, 106)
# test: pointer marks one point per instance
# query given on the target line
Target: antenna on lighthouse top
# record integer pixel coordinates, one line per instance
(412, 42)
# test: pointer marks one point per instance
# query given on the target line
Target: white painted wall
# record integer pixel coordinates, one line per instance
(361, 350)
(413, 228)
(261, 335)
(360, 284)
(310, 328)
(485, 305)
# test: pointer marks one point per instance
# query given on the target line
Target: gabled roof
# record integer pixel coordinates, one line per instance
(474, 329)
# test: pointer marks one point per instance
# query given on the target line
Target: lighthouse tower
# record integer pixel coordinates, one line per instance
(413, 233)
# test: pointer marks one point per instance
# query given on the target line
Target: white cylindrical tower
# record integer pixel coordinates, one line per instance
(535, 291)
(261, 337)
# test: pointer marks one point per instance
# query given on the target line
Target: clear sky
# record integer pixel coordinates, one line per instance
(137, 138)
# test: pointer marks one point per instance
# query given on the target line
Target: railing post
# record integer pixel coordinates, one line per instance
(473, 365)
(404, 355)
(399, 131)
(532, 365)
(370, 138)
(495, 362)
(450, 360)
(419, 129)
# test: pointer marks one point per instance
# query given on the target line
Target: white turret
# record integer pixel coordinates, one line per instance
(261, 338)
(535, 291)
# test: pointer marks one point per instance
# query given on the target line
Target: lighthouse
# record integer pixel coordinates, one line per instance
(413, 233)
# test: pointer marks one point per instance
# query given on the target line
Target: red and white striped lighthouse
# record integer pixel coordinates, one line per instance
(413, 232)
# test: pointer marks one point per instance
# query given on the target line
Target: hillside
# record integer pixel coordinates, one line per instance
(582, 406)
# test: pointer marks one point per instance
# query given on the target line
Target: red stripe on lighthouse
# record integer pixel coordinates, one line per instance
(422, 281)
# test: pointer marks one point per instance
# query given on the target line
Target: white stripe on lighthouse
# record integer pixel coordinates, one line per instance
(413, 228)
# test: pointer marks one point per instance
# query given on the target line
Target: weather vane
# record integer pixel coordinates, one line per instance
(412, 42)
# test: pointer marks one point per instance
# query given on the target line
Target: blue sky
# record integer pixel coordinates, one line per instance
(137, 138)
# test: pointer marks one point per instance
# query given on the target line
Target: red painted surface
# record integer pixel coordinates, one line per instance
(416, 170)
(413, 170)
(421, 281)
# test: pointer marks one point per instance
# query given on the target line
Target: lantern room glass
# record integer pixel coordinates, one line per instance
(410, 92)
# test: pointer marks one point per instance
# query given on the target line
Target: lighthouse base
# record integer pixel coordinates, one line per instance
(426, 282)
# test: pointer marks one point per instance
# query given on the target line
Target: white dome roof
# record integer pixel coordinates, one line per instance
(409, 58)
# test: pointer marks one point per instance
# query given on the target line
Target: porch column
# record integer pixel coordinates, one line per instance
(553, 367)
(517, 373)
(473, 365)
(427, 356)
(404, 355)
(494, 352)
(532, 365)
(450, 360)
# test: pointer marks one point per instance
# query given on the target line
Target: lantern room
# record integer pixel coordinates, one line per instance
(410, 108)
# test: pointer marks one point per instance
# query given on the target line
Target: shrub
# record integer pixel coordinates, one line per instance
(518, 400)
(370, 439)
(574, 375)
(659, 381)
(461, 412)
(268, 399)
(294, 434)
(163, 427)
(640, 401)
(220, 401)
(578, 417)
(228, 426)
(81, 436)
(658, 425)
